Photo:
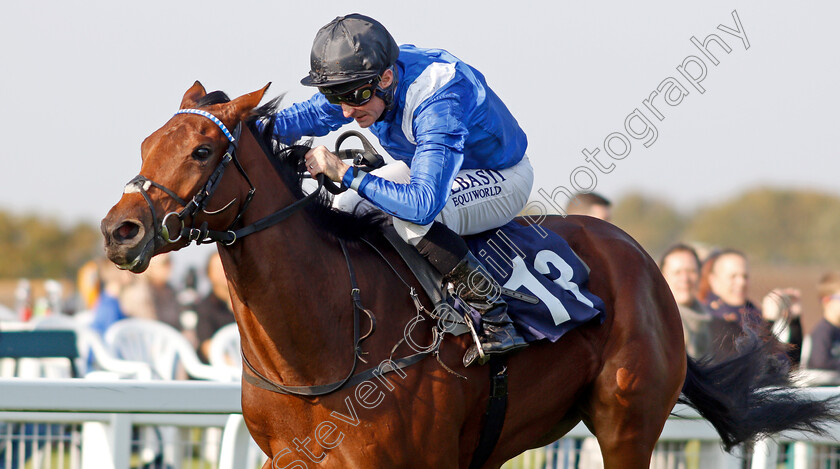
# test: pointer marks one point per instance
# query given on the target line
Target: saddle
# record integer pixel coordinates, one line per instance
(430, 279)
(543, 279)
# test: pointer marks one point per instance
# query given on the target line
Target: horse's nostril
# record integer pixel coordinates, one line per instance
(126, 231)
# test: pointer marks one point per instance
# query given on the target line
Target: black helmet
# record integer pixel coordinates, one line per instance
(350, 48)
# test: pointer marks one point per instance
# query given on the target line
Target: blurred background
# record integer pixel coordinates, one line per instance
(749, 163)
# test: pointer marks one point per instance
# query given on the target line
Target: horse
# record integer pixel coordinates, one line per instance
(299, 279)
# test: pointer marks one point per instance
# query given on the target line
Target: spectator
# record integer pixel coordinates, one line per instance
(781, 310)
(108, 309)
(188, 295)
(152, 297)
(591, 204)
(728, 283)
(681, 269)
(726, 299)
(24, 302)
(214, 310)
(89, 284)
(825, 337)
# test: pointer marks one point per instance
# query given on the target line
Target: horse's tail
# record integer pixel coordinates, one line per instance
(750, 394)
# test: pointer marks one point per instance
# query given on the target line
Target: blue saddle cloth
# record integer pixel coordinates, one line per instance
(538, 262)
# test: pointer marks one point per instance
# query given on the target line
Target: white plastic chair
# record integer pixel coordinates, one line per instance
(226, 352)
(84, 317)
(7, 314)
(162, 347)
(90, 345)
(225, 349)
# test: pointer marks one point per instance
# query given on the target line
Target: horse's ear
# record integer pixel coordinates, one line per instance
(243, 105)
(192, 95)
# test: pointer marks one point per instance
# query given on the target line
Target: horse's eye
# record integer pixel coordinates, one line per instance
(201, 153)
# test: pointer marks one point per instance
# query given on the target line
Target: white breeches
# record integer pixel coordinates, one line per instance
(481, 199)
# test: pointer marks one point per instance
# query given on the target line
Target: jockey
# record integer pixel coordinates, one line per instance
(460, 164)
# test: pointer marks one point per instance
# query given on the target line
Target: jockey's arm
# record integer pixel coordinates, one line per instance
(314, 117)
(440, 135)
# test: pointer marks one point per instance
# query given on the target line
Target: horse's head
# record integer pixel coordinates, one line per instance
(183, 163)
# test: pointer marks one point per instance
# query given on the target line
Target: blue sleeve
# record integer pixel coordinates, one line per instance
(440, 134)
(315, 117)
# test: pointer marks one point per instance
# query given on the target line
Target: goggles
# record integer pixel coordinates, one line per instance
(355, 96)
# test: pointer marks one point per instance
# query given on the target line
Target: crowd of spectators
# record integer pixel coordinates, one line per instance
(712, 290)
(713, 298)
(107, 294)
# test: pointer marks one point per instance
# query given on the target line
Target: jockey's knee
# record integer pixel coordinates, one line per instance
(411, 233)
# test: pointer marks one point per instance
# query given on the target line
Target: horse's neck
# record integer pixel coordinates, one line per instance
(283, 281)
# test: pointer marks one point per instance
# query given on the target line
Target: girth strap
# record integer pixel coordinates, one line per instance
(494, 418)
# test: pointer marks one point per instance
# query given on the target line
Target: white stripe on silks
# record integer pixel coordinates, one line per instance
(433, 78)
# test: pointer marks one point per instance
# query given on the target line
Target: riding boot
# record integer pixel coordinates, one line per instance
(450, 256)
(473, 286)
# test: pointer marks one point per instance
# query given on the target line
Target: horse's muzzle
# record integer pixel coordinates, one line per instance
(128, 243)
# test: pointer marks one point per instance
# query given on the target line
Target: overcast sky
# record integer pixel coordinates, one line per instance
(83, 83)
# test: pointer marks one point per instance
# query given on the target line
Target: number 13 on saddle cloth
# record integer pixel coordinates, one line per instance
(538, 262)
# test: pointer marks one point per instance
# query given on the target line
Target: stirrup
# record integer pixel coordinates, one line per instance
(474, 351)
(475, 354)
(481, 351)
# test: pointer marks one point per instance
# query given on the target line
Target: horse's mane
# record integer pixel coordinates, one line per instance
(289, 164)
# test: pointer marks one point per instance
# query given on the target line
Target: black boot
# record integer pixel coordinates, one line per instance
(473, 285)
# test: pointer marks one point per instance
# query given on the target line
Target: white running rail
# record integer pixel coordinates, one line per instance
(109, 409)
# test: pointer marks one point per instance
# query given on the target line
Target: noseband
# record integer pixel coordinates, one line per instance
(203, 234)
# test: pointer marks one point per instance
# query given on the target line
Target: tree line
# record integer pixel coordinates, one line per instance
(772, 226)
(775, 226)
(33, 246)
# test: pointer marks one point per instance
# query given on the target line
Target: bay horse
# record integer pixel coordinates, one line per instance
(291, 293)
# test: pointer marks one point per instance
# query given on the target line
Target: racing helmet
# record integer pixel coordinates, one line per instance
(350, 48)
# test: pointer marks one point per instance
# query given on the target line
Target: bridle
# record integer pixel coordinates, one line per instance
(202, 235)
(198, 202)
